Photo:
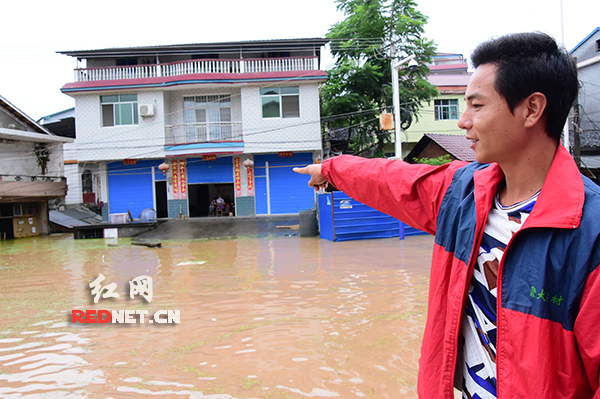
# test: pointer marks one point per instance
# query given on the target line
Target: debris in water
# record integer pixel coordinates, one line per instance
(148, 244)
(292, 227)
(194, 262)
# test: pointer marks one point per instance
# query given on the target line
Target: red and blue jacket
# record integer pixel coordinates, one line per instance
(548, 335)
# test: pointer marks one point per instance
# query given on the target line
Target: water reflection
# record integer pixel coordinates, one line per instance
(284, 317)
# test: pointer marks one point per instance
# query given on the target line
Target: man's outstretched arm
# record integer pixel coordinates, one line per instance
(411, 193)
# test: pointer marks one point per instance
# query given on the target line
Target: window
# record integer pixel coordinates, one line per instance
(446, 110)
(207, 118)
(597, 45)
(19, 209)
(119, 110)
(86, 182)
(280, 102)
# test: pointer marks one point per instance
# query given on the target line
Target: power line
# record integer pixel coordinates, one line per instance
(83, 147)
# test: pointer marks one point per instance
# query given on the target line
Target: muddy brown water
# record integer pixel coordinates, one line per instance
(284, 317)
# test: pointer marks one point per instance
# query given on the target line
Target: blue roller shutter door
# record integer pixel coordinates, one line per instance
(130, 186)
(217, 171)
(289, 191)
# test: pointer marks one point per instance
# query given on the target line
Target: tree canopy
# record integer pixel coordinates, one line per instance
(359, 86)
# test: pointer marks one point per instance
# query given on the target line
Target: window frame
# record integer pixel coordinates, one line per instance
(287, 98)
(113, 109)
(446, 107)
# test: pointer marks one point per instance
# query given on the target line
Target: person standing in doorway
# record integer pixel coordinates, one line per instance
(514, 299)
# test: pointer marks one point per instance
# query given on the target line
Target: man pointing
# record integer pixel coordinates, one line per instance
(514, 302)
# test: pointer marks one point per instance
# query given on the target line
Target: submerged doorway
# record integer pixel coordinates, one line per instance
(6, 229)
(200, 196)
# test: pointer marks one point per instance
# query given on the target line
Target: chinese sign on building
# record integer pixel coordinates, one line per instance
(182, 180)
(237, 176)
(250, 171)
(175, 170)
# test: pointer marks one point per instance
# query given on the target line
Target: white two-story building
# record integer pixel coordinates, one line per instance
(229, 119)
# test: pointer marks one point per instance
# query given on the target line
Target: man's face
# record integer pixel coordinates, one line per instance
(495, 132)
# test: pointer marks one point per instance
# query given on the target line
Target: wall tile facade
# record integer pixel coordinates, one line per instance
(98, 143)
(105, 215)
(74, 184)
(175, 206)
(18, 158)
(264, 135)
(244, 206)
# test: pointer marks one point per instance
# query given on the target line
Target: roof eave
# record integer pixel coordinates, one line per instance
(199, 47)
(19, 135)
(22, 115)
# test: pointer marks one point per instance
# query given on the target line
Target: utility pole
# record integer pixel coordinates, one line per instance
(576, 130)
(566, 139)
(396, 104)
(396, 99)
(576, 126)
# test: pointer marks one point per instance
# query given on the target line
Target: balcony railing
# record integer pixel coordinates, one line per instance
(39, 178)
(203, 132)
(197, 66)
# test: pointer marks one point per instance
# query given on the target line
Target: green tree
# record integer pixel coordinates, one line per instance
(441, 160)
(359, 86)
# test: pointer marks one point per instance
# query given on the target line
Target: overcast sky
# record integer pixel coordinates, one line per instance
(31, 73)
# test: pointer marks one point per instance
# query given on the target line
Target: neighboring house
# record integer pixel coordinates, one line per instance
(434, 145)
(229, 119)
(450, 76)
(587, 54)
(63, 124)
(31, 173)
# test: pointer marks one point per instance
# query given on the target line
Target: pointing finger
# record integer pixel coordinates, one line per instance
(301, 170)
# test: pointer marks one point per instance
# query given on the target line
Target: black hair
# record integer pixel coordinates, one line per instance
(532, 62)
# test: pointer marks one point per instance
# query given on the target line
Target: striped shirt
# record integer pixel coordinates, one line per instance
(478, 330)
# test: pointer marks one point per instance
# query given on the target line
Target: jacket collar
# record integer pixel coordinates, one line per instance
(559, 204)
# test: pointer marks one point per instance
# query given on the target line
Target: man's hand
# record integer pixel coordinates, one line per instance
(316, 178)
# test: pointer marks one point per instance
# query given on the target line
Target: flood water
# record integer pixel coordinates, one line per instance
(284, 317)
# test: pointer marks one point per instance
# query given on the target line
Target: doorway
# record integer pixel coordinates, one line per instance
(200, 196)
(162, 210)
(6, 229)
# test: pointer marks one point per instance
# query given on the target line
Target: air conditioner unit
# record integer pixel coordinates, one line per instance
(147, 110)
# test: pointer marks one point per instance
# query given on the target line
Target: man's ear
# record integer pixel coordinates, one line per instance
(535, 105)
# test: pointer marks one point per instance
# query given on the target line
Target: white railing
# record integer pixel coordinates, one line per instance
(279, 64)
(196, 67)
(203, 132)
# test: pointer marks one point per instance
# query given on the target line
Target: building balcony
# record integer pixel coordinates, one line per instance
(203, 132)
(204, 138)
(31, 188)
(194, 67)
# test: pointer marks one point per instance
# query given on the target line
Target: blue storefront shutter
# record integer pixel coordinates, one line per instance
(289, 191)
(217, 171)
(130, 186)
